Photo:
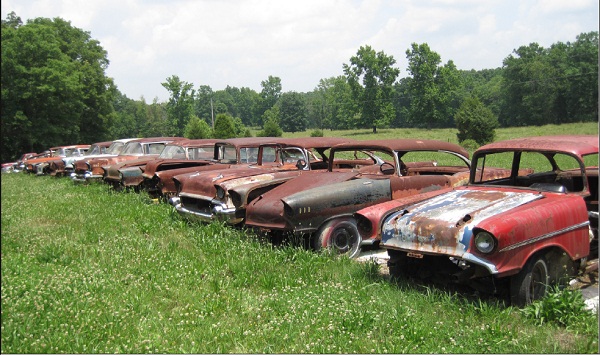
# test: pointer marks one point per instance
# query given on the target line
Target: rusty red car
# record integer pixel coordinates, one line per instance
(129, 174)
(319, 207)
(93, 169)
(514, 236)
(210, 196)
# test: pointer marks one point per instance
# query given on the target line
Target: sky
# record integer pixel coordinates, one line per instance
(240, 43)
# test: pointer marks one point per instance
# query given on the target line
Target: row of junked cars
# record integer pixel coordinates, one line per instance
(519, 216)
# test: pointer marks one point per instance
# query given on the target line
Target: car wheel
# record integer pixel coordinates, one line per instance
(341, 236)
(530, 283)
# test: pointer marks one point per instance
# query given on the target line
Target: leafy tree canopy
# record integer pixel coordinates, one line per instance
(54, 87)
(371, 76)
(292, 112)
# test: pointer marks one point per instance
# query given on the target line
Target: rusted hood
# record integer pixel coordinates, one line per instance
(308, 209)
(136, 162)
(243, 190)
(112, 171)
(256, 177)
(355, 192)
(169, 164)
(185, 173)
(443, 224)
(202, 183)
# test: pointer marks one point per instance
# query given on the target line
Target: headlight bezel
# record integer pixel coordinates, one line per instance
(484, 241)
(220, 192)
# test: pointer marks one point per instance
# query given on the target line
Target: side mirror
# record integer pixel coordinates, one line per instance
(301, 164)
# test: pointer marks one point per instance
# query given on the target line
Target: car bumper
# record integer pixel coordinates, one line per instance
(86, 177)
(218, 211)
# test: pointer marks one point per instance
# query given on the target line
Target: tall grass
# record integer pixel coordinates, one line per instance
(88, 270)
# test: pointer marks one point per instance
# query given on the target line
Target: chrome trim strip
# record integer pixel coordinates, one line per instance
(545, 236)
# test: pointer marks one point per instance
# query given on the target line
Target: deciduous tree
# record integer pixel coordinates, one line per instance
(433, 89)
(371, 76)
(54, 87)
(292, 112)
(180, 107)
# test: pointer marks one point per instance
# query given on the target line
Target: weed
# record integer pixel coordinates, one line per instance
(562, 306)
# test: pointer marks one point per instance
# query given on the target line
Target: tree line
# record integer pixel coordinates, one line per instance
(55, 92)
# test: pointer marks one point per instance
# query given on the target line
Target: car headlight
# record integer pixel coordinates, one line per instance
(485, 242)
(220, 192)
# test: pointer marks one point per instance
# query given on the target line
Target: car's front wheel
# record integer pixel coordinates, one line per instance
(530, 283)
(340, 235)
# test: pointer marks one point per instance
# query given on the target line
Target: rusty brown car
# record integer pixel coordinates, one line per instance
(129, 174)
(233, 152)
(320, 207)
(64, 166)
(93, 169)
(209, 196)
(39, 166)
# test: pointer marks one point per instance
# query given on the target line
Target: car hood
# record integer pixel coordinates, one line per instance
(267, 209)
(202, 183)
(185, 173)
(94, 156)
(157, 165)
(444, 224)
(112, 171)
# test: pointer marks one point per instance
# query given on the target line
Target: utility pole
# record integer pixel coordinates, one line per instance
(212, 114)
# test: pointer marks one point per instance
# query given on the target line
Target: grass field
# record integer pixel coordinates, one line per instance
(449, 134)
(89, 270)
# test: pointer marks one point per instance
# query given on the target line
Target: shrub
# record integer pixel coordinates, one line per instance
(224, 127)
(475, 121)
(469, 145)
(270, 129)
(197, 129)
(317, 133)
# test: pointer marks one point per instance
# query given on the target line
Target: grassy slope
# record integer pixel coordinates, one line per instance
(88, 270)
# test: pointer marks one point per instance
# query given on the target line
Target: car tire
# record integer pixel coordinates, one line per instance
(531, 283)
(340, 235)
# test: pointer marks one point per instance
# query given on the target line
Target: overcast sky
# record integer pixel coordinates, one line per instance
(241, 42)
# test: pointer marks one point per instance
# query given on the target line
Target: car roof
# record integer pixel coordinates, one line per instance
(157, 139)
(405, 145)
(72, 146)
(574, 144)
(104, 144)
(125, 140)
(195, 142)
(246, 141)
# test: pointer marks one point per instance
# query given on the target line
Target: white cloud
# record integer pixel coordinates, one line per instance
(241, 42)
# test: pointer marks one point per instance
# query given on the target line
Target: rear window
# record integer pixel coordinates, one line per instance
(155, 148)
